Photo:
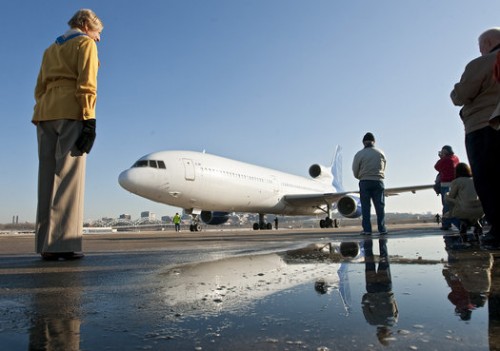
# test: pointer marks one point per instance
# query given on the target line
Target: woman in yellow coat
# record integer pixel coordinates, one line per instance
(64, 116)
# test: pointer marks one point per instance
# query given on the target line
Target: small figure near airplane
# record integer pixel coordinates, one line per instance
(210, 187)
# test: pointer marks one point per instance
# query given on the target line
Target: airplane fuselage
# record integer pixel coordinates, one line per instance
(194, 180)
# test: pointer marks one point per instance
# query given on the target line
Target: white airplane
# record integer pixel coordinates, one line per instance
(210, 187)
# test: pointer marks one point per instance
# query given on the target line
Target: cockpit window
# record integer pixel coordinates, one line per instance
(150, 163)
(141, 163)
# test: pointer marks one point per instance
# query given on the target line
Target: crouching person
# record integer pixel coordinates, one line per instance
(464, 203)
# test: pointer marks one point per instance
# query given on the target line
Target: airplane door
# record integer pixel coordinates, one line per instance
(188, 169)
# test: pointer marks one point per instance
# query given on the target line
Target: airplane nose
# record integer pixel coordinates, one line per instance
(126, 180)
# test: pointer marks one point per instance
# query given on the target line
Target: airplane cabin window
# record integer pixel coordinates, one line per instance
(161, 165)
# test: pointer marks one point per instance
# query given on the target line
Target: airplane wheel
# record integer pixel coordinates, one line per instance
(256, 226)
(269, 226)
(322, 223)
(336, 223)
(328, 223)
(197, 227)
(191, 228)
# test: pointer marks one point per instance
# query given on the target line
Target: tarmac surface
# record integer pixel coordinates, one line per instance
(311, 289)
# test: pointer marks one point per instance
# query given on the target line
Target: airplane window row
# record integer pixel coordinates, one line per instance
(150, 163)
(290, 185)
(234, 174)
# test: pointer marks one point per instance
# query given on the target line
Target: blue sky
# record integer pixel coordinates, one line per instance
(278, 83)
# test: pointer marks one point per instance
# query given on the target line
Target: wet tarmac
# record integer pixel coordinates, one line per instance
(279, 290)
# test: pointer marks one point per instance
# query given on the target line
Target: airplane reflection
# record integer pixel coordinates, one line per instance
(233, 284)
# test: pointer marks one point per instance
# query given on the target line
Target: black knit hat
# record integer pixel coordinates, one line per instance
(449, 149)
(368, 137)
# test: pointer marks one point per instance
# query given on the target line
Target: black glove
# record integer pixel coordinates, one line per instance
(86, 139)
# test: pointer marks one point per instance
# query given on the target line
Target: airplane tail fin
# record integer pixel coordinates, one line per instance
(337, 169)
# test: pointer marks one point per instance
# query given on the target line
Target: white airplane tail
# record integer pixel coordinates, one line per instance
(337, 170)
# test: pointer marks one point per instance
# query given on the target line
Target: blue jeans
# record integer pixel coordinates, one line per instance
(372, 190)
(447, 222)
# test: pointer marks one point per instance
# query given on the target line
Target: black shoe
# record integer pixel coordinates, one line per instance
(56, 256)
(71, 256)
(49, 256)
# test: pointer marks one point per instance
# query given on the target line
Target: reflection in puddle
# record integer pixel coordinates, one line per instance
(403, 293)
(55, 323)
(353, 295)
(235, 284)
(379, 304)
(469, 277)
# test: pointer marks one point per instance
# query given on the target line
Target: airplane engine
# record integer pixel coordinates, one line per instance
(321, 173)
(349, 206)
(214, 217)
(317, 170)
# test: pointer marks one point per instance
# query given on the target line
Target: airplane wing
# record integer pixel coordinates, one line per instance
(329, 198)
(314, 199)
(405, 189)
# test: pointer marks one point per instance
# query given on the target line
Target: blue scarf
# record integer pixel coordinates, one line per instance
(62, 39)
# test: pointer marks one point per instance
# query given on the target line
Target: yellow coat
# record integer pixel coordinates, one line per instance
(66, 87)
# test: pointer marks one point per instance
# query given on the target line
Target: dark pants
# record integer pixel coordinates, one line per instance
(377, 280)
(372, 190)
(483, 151)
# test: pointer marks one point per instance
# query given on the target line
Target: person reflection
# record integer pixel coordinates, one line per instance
(468, 275)
(56, 320)
(494, 305)
(379, 304)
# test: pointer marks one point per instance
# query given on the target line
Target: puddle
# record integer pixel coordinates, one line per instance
(400, 293)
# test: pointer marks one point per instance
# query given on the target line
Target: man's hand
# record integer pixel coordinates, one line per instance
(86, 139)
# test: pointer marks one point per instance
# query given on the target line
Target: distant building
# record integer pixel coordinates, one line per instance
(148, 214)
(125, 217)
(166, 219)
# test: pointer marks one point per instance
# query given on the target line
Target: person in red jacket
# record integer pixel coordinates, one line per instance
(446, 168)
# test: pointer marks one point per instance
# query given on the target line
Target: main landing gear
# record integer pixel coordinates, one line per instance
(262, 223)
(328, 222)
(195, 225)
